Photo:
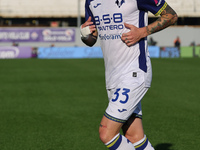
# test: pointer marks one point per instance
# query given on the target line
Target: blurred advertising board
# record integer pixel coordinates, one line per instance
(154, 51)
(37, 35)
(190, 51)
(69, 52)
(163, 52)
(81, 52)
(9, 52)
(169, 52)
(95, 52)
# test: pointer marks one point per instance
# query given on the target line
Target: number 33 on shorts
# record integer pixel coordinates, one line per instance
(122, 99)
(119, 104)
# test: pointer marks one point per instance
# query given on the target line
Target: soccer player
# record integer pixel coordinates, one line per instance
(122, 28)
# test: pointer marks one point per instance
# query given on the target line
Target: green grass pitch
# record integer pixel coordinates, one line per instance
(58, 104)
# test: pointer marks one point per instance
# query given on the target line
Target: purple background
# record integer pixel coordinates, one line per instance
(37, 35)
(15, 52)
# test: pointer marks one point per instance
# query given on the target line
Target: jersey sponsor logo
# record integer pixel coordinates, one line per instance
(109, 36)
(119, 2)
(109, 22)
(98, 4)
(157, 2)
(111, 27)
(108, 19)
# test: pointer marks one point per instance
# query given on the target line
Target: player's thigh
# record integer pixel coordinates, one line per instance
(108, 129)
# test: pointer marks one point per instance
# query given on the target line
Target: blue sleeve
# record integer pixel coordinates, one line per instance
(154, 6)
(88, 12)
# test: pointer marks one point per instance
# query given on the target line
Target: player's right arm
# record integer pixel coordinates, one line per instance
(89, 33)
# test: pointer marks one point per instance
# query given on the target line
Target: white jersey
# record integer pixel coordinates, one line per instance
(123, 63)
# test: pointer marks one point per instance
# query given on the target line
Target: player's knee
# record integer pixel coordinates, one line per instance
(104, 134)
(134, 138)
(103, 137)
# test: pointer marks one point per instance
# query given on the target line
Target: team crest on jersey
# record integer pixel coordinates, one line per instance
(119, 2)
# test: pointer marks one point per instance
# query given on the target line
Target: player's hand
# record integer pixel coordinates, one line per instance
(90, 24)
(133, 36)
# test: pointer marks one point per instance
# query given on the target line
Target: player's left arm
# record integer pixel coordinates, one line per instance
(167, 17)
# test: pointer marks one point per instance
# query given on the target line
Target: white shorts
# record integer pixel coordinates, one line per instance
(125, 101)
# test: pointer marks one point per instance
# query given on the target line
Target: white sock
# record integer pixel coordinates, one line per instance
(143, 144)
(119, 142)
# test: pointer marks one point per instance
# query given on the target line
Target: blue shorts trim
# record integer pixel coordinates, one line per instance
(113, 118)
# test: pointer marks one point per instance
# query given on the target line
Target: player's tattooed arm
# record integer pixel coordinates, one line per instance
(168, 17)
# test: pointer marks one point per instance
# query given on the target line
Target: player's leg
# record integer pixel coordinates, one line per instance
(122, 103)
(110, 136)
(133, 130)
